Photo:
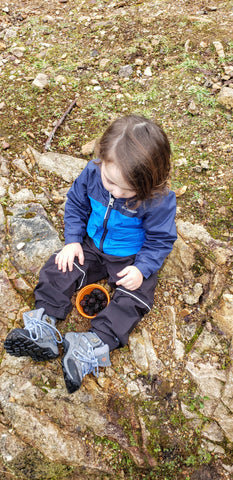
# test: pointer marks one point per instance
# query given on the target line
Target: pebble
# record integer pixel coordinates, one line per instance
(125, 71)
(41, 80)
(5, 145)
(148, 72)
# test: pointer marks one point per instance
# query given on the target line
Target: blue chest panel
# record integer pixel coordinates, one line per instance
(123, 235)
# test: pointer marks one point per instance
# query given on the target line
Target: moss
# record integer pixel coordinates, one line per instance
(33, 465)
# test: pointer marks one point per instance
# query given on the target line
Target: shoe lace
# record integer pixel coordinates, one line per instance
(38, 328)
(88, 359)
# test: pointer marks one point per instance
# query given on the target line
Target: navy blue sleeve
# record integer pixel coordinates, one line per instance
(77, 209)
(160, 229)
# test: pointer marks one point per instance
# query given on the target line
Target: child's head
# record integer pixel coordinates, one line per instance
(140, 150)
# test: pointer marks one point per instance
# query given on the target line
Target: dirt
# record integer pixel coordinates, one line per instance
(88, 43)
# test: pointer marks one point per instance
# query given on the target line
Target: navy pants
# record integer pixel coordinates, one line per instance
(113, 324)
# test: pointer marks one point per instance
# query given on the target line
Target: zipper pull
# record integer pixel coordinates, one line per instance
(111, 201)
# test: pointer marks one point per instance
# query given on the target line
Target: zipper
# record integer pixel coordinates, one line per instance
(106, 217)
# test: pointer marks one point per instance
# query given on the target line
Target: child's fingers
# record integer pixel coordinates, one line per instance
(123, 272)
(81, 256)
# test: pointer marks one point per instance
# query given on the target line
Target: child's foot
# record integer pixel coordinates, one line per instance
(37, 340)
(84, 353)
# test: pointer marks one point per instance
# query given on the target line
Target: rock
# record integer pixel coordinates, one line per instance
(227, 397)
(65, 166)
(11, 32)
(11, 446)
(5, 145)
(179, 349)
(29, 224)
(225, 97)
(24, 195)
(10, 303)
(193, 297)
(225, 420)
(148, 72)
(213, 432)
(192, 108)
(60, 79)
(228, 70)
(223, 315)
(125, 71)
(41, 80)
(3, 46)
(143, 352)
(20, 165)
(209, 379)
(219, 49)
(89, 147)
(18, 51)
(179, 261)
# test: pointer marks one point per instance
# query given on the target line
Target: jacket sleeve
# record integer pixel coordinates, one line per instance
(77, 209)
(160, 231)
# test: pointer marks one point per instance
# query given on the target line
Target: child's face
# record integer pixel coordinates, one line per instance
(114, 182)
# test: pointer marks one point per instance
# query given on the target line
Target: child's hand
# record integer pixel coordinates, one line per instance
(65, 257)
(132, 278)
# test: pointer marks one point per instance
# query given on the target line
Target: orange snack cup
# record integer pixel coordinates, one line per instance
(86, 291)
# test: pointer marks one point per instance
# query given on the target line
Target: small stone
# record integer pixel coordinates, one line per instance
(203, 44)
(193, 297)
(94, 53)
(41, 80)
(20, 245)
(192, 108)
(89, 147)
(60, 79)
(2, 105)
(18, 51)
(125, 71)
(2, 46)
(219, 49)
(225, 97)
(5, 145)
(148, 72)
(138, 61)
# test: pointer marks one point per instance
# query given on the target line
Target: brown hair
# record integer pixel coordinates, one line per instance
(141, 150)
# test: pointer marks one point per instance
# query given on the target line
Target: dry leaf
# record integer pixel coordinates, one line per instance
(180, 191)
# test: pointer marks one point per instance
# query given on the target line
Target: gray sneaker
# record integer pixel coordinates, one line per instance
(84, 353)
(37, 340)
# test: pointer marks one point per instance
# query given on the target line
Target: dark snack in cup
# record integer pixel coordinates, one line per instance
(94, 302)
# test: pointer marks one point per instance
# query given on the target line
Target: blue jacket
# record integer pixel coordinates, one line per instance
(147, 231)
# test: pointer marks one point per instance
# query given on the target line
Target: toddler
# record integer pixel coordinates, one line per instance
(119, 224)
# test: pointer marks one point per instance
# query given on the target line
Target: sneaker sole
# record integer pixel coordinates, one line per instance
(70, 385)
(18, 345)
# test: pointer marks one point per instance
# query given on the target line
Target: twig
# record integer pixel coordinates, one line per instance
(48, 142)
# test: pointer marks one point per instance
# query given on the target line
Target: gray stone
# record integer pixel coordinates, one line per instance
(225, 420)
(65, 166)
(20, 165)
(24, 195)
(125, 71)
(29, 225)
(213, 432)
(209, 379)
(193, 297)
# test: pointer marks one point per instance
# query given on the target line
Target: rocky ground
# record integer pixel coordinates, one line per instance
(163, 409)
